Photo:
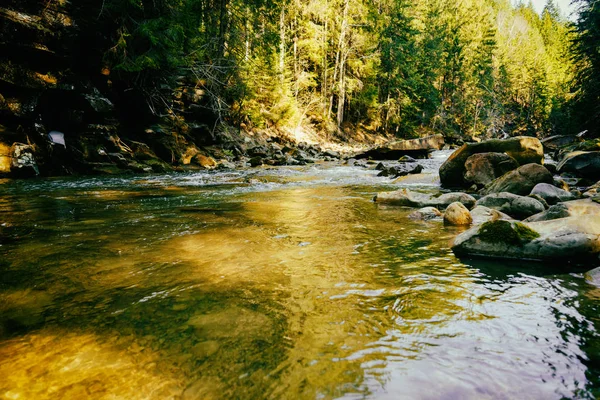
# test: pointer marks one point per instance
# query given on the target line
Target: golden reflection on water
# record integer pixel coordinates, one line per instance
(297, 293)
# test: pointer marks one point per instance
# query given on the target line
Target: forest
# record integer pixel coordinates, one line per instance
(464, 68)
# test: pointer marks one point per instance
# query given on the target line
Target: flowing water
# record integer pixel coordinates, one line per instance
(285, 283)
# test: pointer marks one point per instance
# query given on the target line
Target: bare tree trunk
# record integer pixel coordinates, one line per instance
(223, 23)
(342, 89)
(325, 48)
(341, 44)
(282, 45)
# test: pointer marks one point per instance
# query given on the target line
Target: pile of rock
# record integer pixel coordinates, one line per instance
(521, 210)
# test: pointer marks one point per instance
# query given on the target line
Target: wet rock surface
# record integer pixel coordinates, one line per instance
(408, 198)
(520, 181)
(458, 215)
(516, 206)
(483, 168)
(524, 150)
(575, 208)
(551, 194)
(583, 163)
(573, 239)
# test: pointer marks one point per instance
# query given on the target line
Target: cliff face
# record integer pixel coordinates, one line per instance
(47, 85)
(62, 111)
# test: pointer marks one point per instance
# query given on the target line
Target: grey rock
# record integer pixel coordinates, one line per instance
(407, 198)
(516, 206)
(551, 193)
(523, 149)
(425, 214)
(575, 208)
(582, 163)
(520, 181)
(574, 239)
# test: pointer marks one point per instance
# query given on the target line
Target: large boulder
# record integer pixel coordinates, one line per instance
(407, 198)
(516, 206)
(575, 239)
(394, 150)
(520, 181)
(551, 194)
(582, 163)
(575, 208)
(482, 168)
(458, 215)
(524, 150)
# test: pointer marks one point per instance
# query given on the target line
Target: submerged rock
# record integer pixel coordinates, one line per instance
(457, 214)
(520, 181)
(405, 197)
(516, 206)
(524, 150)
(425, 214)
(569, 239)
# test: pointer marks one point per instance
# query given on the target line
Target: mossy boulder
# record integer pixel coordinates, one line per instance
(573, 239)
(524, 150)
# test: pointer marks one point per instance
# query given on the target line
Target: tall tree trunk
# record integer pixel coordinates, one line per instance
(338, 54)
(223, 23)
(282, 45)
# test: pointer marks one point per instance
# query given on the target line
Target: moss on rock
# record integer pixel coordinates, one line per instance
(513, 233)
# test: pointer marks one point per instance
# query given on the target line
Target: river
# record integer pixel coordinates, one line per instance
(280, 283)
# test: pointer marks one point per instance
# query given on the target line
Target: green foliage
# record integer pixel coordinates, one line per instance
(468, 68)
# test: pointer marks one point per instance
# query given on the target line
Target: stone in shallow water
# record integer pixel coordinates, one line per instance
(425, 214)
(405, 197)
(575, 208)
(551, 193)
(457, 214)
(520, 181)
(575, 239)
(511, 204)
(523, 149)
(231, 322)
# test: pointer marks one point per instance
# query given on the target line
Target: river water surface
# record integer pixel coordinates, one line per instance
(285, 283)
